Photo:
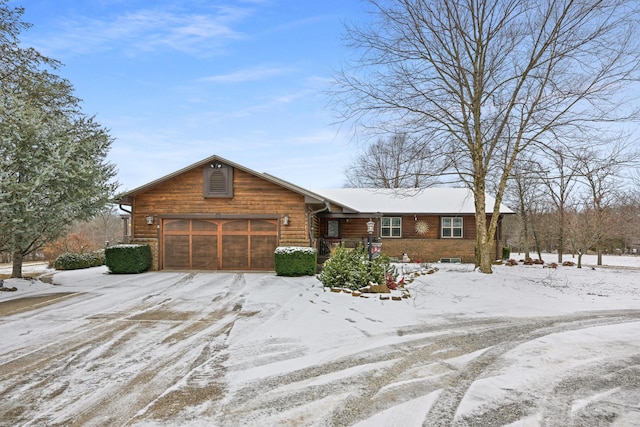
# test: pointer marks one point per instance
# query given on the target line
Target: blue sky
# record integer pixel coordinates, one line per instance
(178, 81)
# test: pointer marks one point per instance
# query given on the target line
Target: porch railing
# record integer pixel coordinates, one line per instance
(327, 244)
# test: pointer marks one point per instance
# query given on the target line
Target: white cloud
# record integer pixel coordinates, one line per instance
(270, 104)
(148, 30)
(249, 74)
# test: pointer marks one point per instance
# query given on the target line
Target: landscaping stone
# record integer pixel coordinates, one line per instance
(376, 289)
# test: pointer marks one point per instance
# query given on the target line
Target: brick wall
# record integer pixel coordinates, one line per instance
(153, 244)
(430, 250)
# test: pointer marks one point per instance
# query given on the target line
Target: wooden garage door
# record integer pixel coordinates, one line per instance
(217, 244)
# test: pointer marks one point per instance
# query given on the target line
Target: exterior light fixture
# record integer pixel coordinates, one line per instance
(285, 219)
(370, 227)
(149, 219)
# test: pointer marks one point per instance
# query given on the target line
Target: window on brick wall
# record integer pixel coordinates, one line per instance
(451, 227)
(391, 226)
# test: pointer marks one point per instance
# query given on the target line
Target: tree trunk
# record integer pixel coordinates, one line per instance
(484, 240)
(580, 259)
(562, 229)
(561, 238)
(486, 250)
(525, 228)
(16, 272)
(536, 241)
(525, 240)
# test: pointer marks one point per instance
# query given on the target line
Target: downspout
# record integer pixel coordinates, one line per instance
(310, 215)
(123, 209)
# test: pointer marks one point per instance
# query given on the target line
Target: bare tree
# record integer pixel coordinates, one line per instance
(524, 197)
(560, 181)
(625, 223)
(396, 162)
(600, 173)
(488, 80)
(582, 226)
(104, 229)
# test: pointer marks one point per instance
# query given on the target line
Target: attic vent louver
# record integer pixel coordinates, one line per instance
(218, 181)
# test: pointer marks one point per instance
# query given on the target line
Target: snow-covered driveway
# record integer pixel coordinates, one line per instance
(525, 346)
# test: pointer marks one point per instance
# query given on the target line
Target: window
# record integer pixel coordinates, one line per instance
(391, 227)
(333, 229)
(452, 227)
(218, 181)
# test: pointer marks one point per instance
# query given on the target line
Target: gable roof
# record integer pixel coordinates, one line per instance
(453, 201)
(310, 197)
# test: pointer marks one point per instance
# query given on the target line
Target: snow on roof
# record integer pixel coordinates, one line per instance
(409, 200)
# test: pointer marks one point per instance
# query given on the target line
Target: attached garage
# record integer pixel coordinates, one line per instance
(219, 215)
(218, 243)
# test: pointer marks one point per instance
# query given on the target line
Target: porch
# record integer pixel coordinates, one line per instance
(325, 245)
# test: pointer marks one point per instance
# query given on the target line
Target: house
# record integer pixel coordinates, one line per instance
(219, 215)
(427, 225)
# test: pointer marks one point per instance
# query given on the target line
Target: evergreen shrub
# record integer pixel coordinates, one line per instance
(351, 268)
(75, 261)
(126, 259)
(295, 261)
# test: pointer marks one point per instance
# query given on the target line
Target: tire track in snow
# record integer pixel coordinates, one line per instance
(443, 412)
(105, 320)
(379, 385)
(72, 362)
(595, 394)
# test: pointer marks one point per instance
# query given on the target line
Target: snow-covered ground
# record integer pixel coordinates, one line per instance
(525, 346)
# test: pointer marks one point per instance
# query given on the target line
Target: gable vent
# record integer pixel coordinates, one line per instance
(217, 181)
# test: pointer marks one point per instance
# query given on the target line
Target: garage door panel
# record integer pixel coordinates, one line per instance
(262, 248)
(203, 225)
(204, 252)
(176, 252)
(176, 225)
(235, 252)
(236, 225)
(263, 225)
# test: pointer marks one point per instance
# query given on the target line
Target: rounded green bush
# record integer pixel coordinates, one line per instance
(128, 259)
(75, 261)
(295, 261)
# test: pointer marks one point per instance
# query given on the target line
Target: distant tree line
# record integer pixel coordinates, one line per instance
(574, 202)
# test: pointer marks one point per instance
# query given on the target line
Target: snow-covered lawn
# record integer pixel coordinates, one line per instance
(525, 346)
